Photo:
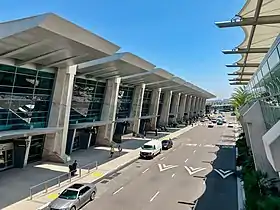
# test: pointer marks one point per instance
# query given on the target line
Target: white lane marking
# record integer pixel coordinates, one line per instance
(191, 145)
(163, 167)
(186, 160)
(224, 174)
(117, 191)
(162, 158)
(192, 170)
(200, 145)
(44, 206)
(194, 151)
(173, 175)
(145, 171)
(174, 150)
(154, 196)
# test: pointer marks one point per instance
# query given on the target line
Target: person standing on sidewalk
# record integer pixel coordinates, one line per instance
(112, 151)
(120, 149)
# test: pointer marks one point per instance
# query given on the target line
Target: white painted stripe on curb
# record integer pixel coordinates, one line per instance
(162, 158)
(117, 191)
(154, 196)
(173, 175)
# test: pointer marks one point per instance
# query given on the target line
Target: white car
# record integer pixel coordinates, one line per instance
(151, 149)
(210, 125)
(230, 125)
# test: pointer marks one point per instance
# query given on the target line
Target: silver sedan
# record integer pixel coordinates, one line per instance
(74, 197)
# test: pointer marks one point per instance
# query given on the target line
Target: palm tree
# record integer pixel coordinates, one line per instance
(240, 97)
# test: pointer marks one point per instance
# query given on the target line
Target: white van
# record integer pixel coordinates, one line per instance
(151, 149)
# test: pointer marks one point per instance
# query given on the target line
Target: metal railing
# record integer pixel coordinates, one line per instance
(56, 181)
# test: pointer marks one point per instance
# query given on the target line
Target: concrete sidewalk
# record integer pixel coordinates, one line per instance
(39, 200)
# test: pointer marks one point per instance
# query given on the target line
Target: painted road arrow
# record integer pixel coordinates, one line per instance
(192, 170)
(224, 174)
(163, 167)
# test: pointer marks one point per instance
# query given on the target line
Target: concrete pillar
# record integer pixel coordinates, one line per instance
(188, 106)
(27, 143)
(55, 144)
(165, 108)
(109, 109)
(203, 106)
(182, 107)
(199, 106)
(153, 110)
(175, 106)
(136, 108)
(192, 110)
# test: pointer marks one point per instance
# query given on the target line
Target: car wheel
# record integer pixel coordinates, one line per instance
(73, 208)
(92, 196)
(159, 151)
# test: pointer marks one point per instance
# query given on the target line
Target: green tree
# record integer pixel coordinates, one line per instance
(239, 97)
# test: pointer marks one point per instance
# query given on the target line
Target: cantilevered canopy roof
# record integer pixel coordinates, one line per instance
(50, 41)
(120, 64)
(260, 21)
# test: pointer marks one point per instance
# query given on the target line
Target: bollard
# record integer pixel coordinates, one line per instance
(88, 170)
(96, 165)
(46, 187)
(58, 181)
(30, 193)
(80, 172)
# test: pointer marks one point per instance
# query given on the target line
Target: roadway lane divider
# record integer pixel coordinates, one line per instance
(120, 189)
(145, 171)
(154, 196)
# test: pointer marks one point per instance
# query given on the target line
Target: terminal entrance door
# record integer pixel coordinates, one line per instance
(6, 156)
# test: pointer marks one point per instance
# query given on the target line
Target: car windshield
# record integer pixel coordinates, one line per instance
(69, 194)
(148, 147)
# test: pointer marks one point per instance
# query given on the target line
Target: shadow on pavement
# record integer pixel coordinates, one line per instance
(221, 186)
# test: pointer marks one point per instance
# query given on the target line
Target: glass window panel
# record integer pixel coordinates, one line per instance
(265, 69)
(46, 74)
(259, 74)
(27, 71)
(6, 79)
(273, 59)
(45, 83)
(25, 81)
(7, 68)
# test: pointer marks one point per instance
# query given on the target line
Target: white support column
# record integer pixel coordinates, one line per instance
(197, 108)
(203, 104)
(27, 143)
(193, 106)
(165, 108)
(154, 106)
(182, 107)
(55, 144)
(109, 109)
(136, 109)
(175, 106)
(188, 106)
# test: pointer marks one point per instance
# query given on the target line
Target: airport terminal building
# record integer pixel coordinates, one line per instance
(63, 88)
(259, 71)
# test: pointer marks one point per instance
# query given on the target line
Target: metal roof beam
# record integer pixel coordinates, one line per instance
(170, 87)
(238, 83)
(243, 65)
(239, 73)
(243, 50)
(22, 49)
(63, 61)
(90, 71)
(273, 19)
(140, 74)
(40, 57)
(239, 79)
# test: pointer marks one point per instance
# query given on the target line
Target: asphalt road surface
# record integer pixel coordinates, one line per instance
(175, 179)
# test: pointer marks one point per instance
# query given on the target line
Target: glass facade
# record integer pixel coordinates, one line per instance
(124, 102)
(146, 102)
(265, 85)
(87, 100)
(25, 97)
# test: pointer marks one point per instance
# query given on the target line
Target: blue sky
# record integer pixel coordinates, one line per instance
(179, 35)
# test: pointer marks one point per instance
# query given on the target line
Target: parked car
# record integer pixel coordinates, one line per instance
(214, 121)
(210, 125)
(167, 144)
(151, 149)
(230, 125)
(74, 197)
(232, 114)
(220, 122)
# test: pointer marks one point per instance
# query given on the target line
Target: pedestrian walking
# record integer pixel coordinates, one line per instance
(73, 168)
(120, 149)
(112, 151)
